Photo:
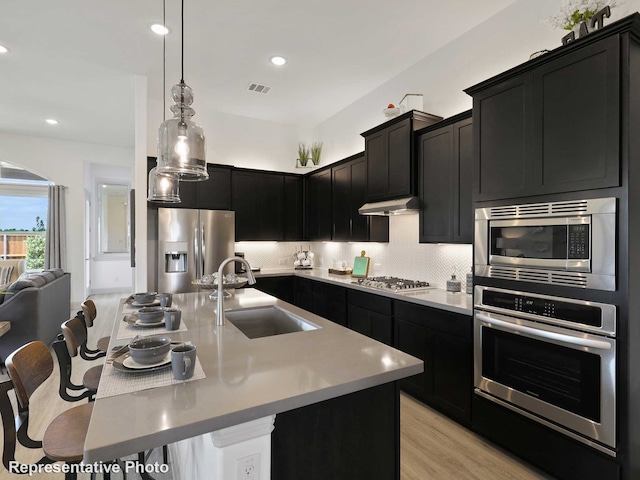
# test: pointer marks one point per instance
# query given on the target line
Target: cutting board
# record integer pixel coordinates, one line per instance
(360, 265)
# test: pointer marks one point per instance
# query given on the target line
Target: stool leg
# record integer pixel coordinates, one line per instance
(165, 454)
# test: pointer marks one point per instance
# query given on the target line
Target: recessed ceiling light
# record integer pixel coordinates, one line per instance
(278, 61)
(3, 49)
(51, 121)
(159, 29)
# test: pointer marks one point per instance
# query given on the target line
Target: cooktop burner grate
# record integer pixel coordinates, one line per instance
(394, 284)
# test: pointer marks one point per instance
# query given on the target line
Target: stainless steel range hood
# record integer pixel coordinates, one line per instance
(399, 206)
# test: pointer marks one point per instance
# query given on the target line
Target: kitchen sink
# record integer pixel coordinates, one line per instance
(268, 321)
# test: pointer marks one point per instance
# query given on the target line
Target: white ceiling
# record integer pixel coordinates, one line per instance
(75, 60)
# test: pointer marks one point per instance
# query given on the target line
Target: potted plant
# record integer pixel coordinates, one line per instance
(303, 154)
(316, 151)
(574, 12)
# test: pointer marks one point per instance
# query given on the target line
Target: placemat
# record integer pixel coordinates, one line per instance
(114, 382)
(128, 331)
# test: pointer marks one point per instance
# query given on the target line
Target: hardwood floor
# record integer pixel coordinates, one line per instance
(432, 446)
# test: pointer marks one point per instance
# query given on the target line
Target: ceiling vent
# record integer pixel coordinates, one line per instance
(258, 88)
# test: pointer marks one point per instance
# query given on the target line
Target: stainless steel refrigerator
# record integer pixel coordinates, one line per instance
(192, 243)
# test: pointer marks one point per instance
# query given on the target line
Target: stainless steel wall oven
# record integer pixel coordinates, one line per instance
(551, 359)
(571, 243)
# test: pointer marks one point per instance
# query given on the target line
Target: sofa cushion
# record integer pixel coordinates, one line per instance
(21, 285)
(47, 276)
(5, 274)
(58, 272)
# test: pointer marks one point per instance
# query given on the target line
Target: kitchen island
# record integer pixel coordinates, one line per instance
(333, 392)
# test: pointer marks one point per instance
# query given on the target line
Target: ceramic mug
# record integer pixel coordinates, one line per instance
(183, 361)
(172, 318)
(165, 299)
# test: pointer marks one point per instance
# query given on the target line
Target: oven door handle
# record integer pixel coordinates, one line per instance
(534, 332)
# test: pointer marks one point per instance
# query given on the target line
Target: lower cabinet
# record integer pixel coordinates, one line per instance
(279, 287)
(443, 340)
(323, 299)
(370, 315)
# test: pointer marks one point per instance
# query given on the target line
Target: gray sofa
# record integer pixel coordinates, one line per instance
(35, 304)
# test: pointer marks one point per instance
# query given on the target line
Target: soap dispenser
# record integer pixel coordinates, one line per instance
(454, 285)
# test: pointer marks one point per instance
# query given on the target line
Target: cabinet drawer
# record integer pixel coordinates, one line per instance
(440, 320)
(370, 301)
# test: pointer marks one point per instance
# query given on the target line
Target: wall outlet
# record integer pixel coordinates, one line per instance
(248, 467)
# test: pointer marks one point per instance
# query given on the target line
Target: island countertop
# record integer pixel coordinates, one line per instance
(245, 379)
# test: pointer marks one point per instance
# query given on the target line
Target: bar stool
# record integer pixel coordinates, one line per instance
(89, 314)
(75, 335)
(63, 441)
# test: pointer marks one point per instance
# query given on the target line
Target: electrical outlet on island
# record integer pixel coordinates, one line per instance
(249, 467)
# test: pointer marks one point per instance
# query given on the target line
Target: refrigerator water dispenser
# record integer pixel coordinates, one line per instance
(175, 257)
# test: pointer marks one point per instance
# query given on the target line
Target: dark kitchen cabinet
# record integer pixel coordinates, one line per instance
(293, 208)
(303, 293)
(349, 182)
(551, 125)
(445, 155)
(279, 287)
(318, 205)
(211, 194)
(258, 200)
(330, 301)
(443, 340)
(390, 156)
(215, 193)
(371, 315)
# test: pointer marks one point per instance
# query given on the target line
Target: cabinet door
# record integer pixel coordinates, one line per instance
(279, 287)
(503, 133)
(269, 207)
(399, 166)
(319, 206)
(452, 375)
(330, 302)
(462, 180)
(376, 152)
(215, 193)
(436, 166)
(341, 202)
(293, 208)
(416, 340)
(577, 123)
(303, 297)
(244, 204)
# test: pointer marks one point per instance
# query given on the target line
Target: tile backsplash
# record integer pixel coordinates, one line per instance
(403, 256)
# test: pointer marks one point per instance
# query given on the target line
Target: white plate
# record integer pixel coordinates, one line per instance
(155, 303)
(132, 364)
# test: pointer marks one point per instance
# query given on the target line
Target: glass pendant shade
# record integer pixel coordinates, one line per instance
(181, 143)
(163, 188)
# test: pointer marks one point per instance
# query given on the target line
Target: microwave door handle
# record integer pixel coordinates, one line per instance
(534, 332)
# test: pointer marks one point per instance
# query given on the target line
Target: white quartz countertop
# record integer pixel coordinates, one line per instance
(436, 297)
(245, 379)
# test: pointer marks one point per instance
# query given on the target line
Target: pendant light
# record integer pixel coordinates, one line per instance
(163, 188)
(181, 147)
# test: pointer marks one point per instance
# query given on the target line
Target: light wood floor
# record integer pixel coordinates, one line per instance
(432, 446)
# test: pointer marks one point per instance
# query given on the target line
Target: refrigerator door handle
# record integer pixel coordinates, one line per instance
(203, 249)
(196, 256)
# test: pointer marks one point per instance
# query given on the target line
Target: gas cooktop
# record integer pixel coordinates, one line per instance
(393, 284)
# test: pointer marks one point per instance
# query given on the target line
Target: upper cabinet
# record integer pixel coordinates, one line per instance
(551, 125)
(318, 205)
(211, 194)
(349, 182)
(390, 156)
(445, 153)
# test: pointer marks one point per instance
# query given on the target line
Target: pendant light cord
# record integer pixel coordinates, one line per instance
(182, 46)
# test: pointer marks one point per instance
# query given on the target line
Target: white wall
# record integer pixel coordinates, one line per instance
(64, 163)
(235, 139)
(500, 43)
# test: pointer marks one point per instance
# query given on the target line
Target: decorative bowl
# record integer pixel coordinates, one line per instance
(151, 314)
(144, 297)
(148, 350)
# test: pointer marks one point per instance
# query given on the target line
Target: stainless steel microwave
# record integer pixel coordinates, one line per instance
(571, 243)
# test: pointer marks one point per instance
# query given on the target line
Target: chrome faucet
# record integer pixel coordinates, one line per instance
(220, 305)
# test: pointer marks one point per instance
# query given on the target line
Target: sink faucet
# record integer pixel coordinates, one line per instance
(220, 306)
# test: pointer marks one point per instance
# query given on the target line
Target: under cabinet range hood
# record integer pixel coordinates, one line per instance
(399, 206)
